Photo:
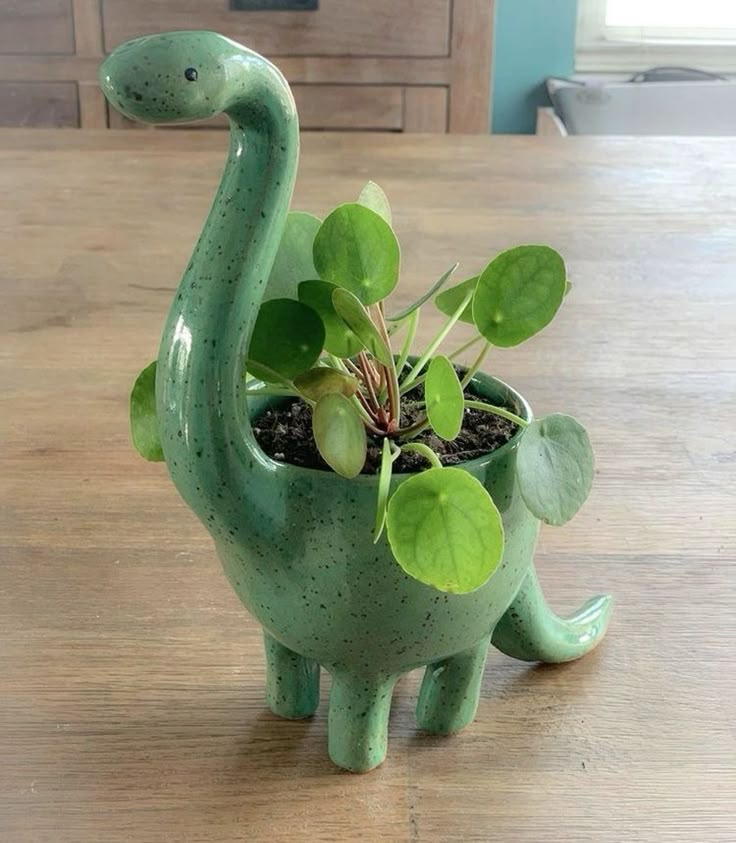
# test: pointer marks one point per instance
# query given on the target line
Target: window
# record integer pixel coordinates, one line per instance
(622, 35)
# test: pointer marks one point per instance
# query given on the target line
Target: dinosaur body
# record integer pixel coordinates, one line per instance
(297, 544)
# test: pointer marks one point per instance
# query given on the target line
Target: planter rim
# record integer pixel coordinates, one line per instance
(481, 379)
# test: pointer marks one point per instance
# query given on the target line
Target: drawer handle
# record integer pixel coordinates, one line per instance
(274, 5)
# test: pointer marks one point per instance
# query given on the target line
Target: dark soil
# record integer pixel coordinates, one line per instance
(285, 434)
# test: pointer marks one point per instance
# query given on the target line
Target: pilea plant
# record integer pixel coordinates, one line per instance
(325, 334)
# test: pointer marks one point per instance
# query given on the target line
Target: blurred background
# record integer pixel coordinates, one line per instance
(634, 67)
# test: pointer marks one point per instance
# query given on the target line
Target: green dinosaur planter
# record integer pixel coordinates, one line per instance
(297, 544)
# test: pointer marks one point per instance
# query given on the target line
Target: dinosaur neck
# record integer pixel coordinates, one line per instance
(206, 433)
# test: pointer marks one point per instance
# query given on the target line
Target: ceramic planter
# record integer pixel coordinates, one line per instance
(297, 544)
(304, 563)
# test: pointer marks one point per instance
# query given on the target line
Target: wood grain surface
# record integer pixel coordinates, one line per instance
(131, 679)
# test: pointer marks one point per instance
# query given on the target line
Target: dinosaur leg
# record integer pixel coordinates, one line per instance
(530, 631)
(292, 682)
(449, 695)
(358, 720)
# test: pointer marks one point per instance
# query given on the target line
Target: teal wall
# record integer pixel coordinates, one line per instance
(533, 39)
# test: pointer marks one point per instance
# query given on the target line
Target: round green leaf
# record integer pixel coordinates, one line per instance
(294, 261)
(340, 434)
(449, 300)
(339, 339)
(356, 249)
(518, 293)
(554, 466)
(356, 317)
(443, 395)
(322, 381)
(288, 337)
(143, 421)
(445, 530)
(373, 197)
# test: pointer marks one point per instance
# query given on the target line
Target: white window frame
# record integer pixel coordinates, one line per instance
(602, 49)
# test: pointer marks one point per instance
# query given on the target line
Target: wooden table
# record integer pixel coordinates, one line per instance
(131, 679)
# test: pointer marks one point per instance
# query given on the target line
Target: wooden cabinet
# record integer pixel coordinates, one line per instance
(36, 26)
(49, 104)
(383, 65)
(336, 28)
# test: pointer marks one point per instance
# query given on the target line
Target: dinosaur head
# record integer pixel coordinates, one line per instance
(171, 78)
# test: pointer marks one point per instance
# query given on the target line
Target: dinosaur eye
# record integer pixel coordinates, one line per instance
(190, 74)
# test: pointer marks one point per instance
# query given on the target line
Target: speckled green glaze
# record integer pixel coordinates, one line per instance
(297, 544)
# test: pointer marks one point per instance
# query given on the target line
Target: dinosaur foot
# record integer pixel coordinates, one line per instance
(448, 698)
(358, 720)
(292, 682)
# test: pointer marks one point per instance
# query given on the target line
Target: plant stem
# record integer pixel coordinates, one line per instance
(394, 399)
(368, 381)
(352, 369)
(411, 331)
(337, 363)
(475, 365)
(269, 391)
(392, 378)
(469, 344)
(274, 376)
(363, 401)
(382, 390)
(421, 363)
(498, 411)
(458, 351)
(367, 418)
(404, 389)
(425, 451)
(415, 429)
(422, 424)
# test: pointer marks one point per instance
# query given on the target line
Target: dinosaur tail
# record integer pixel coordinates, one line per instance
(530, 631)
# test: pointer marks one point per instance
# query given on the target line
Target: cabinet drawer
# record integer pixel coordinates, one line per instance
(337, 27)
(36, 26)
(377, 107)
(349, 106)
(45, 104)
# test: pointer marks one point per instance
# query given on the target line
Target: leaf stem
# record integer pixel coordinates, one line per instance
(411, 331)
(425, 451)
(421, 425)
(337, 363)
(475, 365)
(274, 376)
(367, 419)
(382, 391)
(392, 378)
(273, 391)
(469, 344)
(432, 347)
(363, 401)
(353, 369)
(414, 429)
(404, 389)
(414, 306)
(368, 380)
(498, 411)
